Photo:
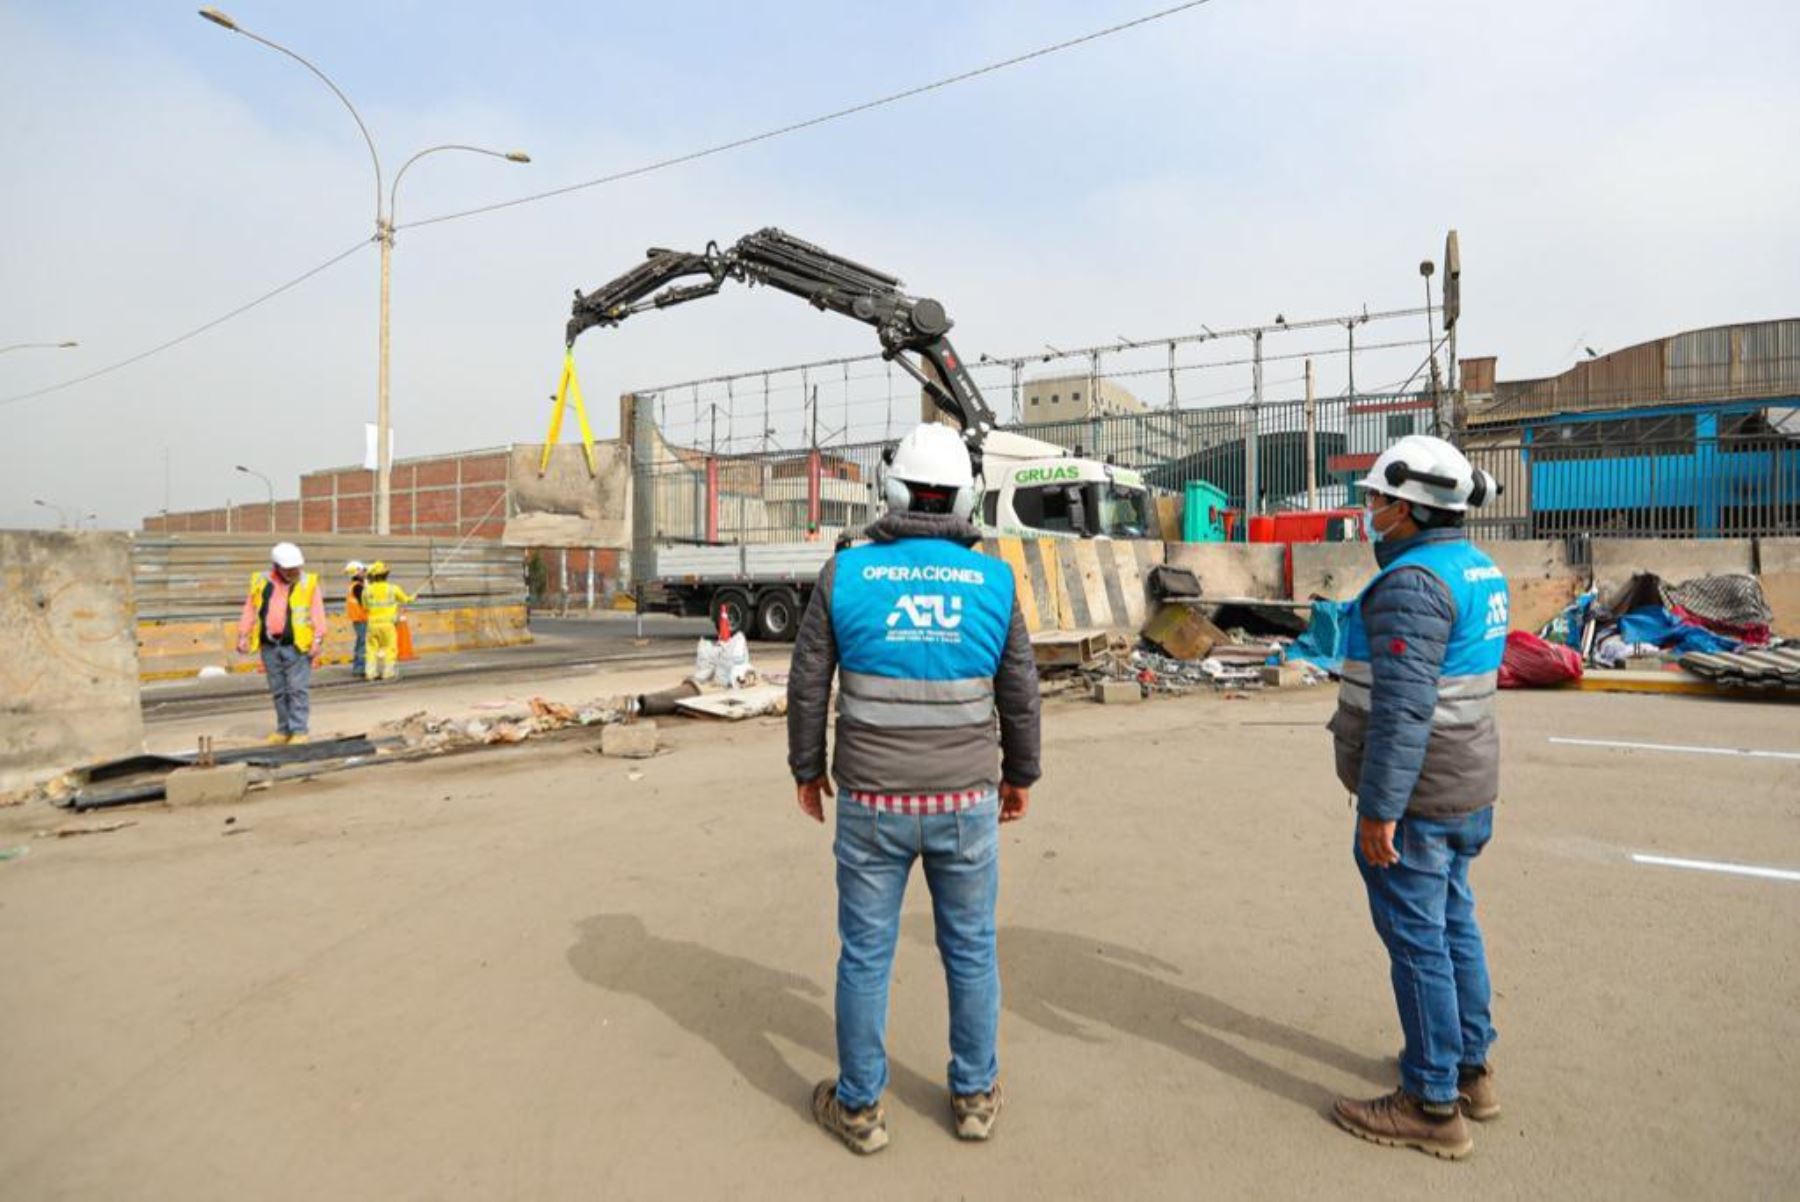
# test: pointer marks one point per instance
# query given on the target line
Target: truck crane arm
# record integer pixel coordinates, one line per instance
(904, 324)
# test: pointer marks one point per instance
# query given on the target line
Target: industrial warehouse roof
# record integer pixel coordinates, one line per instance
(1748, 361)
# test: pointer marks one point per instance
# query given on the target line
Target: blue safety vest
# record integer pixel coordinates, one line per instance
(1471, 671)
(921, 626)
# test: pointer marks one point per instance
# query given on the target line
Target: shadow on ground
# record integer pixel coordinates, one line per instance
(737, 1005)
(1060, 981)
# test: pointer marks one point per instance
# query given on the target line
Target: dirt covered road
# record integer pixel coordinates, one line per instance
(539, 974)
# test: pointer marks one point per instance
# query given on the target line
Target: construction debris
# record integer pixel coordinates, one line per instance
(1180, 631)
(1770, 668)
(1118, 692)
(93, 828)
(222, 783)
(631, 740)
(737, 704)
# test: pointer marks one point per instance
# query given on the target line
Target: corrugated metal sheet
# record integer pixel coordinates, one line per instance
(1699, 366)
(1768, 359)
(197, 576)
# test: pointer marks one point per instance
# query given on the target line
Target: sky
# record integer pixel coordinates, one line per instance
(1618, 170)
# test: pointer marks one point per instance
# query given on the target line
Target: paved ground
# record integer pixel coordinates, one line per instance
(541, 974)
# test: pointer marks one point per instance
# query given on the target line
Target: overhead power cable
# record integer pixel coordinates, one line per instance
(193, 333)
(810, 122)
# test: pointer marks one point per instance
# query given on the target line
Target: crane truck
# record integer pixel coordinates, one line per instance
(1030, 487)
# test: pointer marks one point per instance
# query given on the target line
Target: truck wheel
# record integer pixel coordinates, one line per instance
(778, 616)
(736, 604)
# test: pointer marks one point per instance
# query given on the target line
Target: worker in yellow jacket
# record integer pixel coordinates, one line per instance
(383, 600)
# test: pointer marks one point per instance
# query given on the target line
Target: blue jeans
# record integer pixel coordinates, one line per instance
(1425, 915)
(362, 645)
(875, 853)
(290, 685)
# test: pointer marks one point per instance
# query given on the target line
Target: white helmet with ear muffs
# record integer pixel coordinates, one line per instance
(1430, 472)
(933, 459)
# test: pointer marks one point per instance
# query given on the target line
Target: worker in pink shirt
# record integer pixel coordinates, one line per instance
(284, 619)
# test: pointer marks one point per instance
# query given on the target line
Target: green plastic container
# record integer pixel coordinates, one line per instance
(1202, 513)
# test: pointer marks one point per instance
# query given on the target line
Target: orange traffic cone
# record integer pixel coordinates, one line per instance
(724, 625)
(403, 641)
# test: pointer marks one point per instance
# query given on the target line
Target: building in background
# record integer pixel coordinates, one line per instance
(1696, 434)
(1074, 398)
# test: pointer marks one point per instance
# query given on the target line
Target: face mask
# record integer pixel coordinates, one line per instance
(1369, 529)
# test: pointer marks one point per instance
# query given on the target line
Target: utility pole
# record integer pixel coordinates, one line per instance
(1252, 500)
(1312, 441)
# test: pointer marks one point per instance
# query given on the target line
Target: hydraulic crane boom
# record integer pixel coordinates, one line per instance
(903, 323)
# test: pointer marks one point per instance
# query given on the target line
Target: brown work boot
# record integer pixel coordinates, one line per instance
(1399, 1120)
(975, 1113)
(863, 1131)
(1476, 1094)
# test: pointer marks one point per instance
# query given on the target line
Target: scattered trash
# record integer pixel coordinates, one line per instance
(725, 663)
(1180, 631)
(738, 704)
(212, 672)
(634, 775)
(14, 853)
(92, 828)
(1532, 663)
(238, 830)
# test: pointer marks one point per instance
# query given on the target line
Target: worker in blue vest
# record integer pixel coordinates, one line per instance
(937, 744)
(1417, 744)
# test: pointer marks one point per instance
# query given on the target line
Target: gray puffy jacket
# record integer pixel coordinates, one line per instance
(938, 759)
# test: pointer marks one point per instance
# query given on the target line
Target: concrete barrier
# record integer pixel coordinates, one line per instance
(69, 669)
(1539, 577)
(1336, 571)
(1778, 563)
(1617, 560)
(1103, 583)
(190, 589)
(1538, 574)
(1234, 569)
(1037, 578)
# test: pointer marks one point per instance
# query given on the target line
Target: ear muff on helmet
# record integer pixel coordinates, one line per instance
(1483, 488)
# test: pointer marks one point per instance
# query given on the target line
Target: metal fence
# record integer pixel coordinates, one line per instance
(1257, 455)
(1705, 474)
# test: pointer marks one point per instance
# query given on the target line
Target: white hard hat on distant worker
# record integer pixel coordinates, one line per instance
(286, 555)
(932, 459)
(1431, 472)
(353, 567)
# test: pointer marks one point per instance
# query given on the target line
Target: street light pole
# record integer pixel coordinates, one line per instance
(62, 515)
(268, 487)
(33, 346)
(384, 235)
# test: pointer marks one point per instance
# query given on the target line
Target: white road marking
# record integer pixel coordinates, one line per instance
(1751, 752)
(1772, 874)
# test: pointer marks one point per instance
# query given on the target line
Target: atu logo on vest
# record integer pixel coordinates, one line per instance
(927, 611)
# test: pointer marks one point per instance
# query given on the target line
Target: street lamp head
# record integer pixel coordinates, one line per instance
(517, 156)
(40, 504)
(243, 469)
(66, 345)
(1426, 267)
(223, 20)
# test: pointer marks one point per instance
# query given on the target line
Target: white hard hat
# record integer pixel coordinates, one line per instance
(286, 555)
(353, 567)
(1431, 472)
(932, 456)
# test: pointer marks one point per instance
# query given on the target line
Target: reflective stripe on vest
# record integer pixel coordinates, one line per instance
(382, 601)
(300, 594)
(886, 701)
(1468, 680)
(921, 626)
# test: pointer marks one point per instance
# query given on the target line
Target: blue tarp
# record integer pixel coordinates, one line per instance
(1654, 624)
(1323, 642)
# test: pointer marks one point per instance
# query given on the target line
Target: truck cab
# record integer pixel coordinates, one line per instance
(1037, 489)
